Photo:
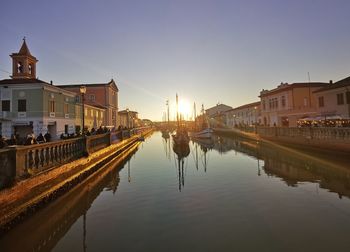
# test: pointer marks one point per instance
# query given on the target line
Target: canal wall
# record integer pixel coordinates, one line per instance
(321, 139)
(33, 192)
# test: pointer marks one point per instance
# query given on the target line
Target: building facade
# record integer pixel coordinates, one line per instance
(32, 105)
(245, 115)
(128, 118)
(286, 104)
(100, 94)
(333, 101)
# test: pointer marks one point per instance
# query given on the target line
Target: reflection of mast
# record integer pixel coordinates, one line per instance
(177, 111)
(167, 104)
(196, 158)
(129, 176)
(84, 232)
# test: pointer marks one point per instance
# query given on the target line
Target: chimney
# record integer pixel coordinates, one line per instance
(330, 82)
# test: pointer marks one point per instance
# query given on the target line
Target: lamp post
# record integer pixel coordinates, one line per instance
(127, 118)
(256, 130)
(83, 92)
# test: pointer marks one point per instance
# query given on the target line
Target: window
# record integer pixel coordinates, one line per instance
(92, 97)
(66, 129)
(66, 108)
(52, 106)
(283, 101)
(340, 99)
(30, 68)
(22, 105)
(321, 101)
(19, 67)
(347, 94)
(86, 112)
(5, 105)
(92, 113)
(305, 101)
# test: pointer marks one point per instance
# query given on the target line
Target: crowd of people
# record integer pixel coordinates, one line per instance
(32, 139)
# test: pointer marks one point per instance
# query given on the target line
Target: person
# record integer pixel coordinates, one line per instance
(3, 144)
(47, 137)
(13, 140)
(40, 138)
(30, 139)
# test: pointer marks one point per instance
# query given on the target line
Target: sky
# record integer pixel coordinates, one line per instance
(208, 52)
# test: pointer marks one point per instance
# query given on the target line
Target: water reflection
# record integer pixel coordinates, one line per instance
(329, 171)
(42, 231)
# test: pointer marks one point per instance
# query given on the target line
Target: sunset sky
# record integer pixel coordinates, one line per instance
(206, 51)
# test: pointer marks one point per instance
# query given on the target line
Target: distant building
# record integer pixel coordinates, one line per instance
(218, 109)
(101, 94)
(29, 104)
(216, 115)
(333, 101)
(128, 118)
(245, 115)
(286, 104)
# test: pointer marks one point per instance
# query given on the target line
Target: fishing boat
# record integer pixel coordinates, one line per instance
(204, 130)
(181, 136)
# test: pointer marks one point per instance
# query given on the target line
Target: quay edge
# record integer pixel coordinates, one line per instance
(32, 194)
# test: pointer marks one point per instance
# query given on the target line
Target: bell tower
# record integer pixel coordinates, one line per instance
(23, 63)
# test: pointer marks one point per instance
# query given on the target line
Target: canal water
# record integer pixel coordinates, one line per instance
(228, 194)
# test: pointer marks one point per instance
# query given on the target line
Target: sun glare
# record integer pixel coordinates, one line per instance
(185, 108)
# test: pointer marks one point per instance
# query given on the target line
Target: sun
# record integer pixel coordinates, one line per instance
(184, 108)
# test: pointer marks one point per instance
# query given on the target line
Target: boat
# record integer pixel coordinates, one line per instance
(181, 136)
(205, 131)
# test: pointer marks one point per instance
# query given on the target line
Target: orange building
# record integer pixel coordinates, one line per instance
(286, 104)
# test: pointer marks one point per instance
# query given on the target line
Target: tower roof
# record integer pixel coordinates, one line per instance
(24, 48)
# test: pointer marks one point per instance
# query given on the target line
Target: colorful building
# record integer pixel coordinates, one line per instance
(103, 95)
(29, 104)
(286, 104)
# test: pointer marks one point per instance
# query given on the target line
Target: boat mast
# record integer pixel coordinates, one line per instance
(177, 111)
(167, 103)
(195, 116)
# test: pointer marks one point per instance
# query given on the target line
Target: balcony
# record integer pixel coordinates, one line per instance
(52, 114)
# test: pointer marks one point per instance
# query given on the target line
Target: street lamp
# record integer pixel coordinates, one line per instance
(83, 92)
(255, 108)
(127, 119)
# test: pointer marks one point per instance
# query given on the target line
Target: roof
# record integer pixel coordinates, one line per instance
(21, 81)
(125, 111)
(286, 86)
(253, 104)
(24, 49)
(339, 84)
(111, 82)
(94, 104)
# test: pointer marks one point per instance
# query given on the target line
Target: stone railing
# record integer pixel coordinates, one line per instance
(24, 161)
(97, 142)
(35, 158)
(324, 133)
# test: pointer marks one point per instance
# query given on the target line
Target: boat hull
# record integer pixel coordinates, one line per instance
(206, 133)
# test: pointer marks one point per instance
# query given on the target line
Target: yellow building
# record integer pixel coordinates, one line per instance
(94, 116)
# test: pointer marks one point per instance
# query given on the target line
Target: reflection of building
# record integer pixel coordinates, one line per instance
(333, 101)
(128, 118)
(287, 103)
(29, 104)
(102, 95)
(246, 115)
